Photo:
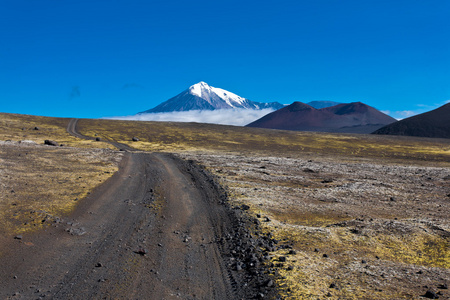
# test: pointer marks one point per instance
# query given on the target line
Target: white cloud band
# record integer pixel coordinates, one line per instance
(237, 116)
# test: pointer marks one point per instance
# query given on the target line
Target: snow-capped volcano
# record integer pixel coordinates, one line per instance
(202, 96)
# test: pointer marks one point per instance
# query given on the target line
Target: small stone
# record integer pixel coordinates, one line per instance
(245, 207)
(333, 286)
(141, 251)
(50, 143)
(431, 295)
(269, 283)
(98, 265)
(419, 272)
(316, 250)
(14, 277)
(363, 261)
(282, 258)
(135, 139)
(98, 139)
(292, 252)
(18, 237)
(443, 286)
(325, 255)
(36, 128)
(392, 199)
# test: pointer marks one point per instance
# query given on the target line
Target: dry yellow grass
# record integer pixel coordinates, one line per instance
(182, 137)
(349, 217)
(22, 127)
(41, 184)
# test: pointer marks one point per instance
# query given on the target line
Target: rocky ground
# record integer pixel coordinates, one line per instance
(348, 229)
(160, 228)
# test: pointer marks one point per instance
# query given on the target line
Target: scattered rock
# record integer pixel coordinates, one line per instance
(50, 143)
(141, 251)
(245, 207)
(431, 295)
(269, 283)
(135, 139)
(18, 237)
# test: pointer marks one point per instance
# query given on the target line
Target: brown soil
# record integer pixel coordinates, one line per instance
(158, 229)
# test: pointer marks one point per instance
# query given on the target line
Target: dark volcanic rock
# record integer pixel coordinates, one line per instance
(51, 143)
(431, 295)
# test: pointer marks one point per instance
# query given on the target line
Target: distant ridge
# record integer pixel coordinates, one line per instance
(435, 123)
(202, 96)
(353, 117)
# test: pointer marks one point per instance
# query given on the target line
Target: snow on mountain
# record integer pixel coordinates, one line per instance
(202, 96)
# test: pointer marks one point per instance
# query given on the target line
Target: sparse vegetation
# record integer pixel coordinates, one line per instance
(181, 137)
(383, 227)
(377, 206)
(41, 184)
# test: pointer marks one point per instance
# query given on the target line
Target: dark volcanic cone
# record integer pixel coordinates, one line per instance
(351, 118)
(435, 123)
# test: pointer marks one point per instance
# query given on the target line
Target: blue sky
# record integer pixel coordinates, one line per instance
(109, 58)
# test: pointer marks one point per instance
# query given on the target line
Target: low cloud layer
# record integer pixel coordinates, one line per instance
(238, 117)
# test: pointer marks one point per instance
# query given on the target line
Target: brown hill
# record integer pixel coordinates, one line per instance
(435, 123)
(354, 117)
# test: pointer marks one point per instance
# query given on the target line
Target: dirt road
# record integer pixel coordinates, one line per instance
(158, 229)
(73, 130)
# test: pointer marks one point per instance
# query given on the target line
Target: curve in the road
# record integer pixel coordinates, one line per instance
(72, 128)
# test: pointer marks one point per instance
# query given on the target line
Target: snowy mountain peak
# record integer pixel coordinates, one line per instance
(202, 96)
(198, 88)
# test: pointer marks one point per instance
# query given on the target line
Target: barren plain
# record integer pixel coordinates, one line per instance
(335, 216)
